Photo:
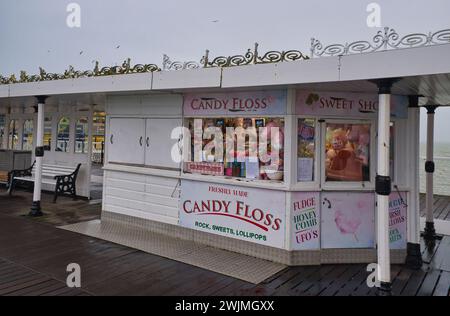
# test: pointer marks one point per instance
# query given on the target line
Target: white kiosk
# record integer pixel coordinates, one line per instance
(344, 187)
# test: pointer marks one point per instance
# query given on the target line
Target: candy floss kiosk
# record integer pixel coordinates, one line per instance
(315, 203)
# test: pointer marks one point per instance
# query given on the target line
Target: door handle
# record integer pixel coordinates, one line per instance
(140, 140)
(111, 139)
(147, 141)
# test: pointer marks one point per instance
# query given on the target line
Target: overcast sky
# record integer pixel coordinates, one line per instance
(35, 33)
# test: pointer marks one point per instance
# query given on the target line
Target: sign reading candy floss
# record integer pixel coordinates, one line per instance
(254, 215)
(235, 103)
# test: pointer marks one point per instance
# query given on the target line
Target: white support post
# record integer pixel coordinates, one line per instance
(39, 153)
(383, 186)
(429, 233)
(414, 255)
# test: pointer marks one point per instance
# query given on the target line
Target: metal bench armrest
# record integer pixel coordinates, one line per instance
(66, 183)
(20, 172)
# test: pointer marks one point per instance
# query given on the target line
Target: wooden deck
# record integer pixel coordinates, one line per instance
(34, 256)
(441, 206)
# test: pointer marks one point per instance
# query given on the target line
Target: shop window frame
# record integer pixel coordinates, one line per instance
(348, 185)
(239, 180)
(315, 183)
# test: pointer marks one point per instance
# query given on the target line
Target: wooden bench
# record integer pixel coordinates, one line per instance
(4, 177)
(62, 177)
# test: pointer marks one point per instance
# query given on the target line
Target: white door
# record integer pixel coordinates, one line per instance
(159, 142)
(126, 140)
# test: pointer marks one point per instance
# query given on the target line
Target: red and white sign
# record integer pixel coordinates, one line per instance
(235, 103)
(209, 168)
(305, 221)
(397, 220)
(344, 104)
(254, 215)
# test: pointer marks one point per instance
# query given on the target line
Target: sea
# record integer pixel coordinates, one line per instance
(442, 168)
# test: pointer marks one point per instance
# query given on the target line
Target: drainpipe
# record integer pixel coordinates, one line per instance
(383, 186)
(39, 155)
(429, 233)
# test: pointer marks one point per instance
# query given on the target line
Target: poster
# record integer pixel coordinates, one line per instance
(305, 221)
(254, 215)
(345, 104)
(348, 220)
(305, 168)
(397, 220)
(235, 103)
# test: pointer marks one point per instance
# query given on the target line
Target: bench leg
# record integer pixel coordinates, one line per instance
(55, 196)
(11, 187)
(74, 194)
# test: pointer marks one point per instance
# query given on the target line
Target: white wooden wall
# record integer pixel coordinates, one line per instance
(139, 195)
(149, 192)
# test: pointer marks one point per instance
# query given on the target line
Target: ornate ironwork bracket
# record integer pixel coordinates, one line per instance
(252, 57)
(70, 73)
(168, 64)
(383, 40)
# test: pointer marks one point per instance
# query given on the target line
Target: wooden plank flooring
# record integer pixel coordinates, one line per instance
(441, 206)
(34, 256)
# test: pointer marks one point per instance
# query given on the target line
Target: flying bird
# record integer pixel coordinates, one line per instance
(215, 21)
(117, 46)
(81, 52)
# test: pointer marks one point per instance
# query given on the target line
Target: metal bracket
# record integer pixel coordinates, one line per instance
(383, 185)
(429, 166)
(39, 151)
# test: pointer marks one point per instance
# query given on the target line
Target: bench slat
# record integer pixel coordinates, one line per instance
(54, 170)
(31, 179)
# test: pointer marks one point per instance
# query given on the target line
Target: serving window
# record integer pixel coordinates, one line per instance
(336, 152)
(250, 148)
(347, 152)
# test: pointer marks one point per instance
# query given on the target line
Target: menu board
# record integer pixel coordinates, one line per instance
(397, 220)
(305, 221)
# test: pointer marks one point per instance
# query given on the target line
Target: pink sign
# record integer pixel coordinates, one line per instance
(397, 220)
(305, 220)
(348, 220)
(344, 104)
(235, 103)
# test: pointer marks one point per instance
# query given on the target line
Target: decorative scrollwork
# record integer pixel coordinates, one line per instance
(277, 56)
(383, 40)
(72, 73)
(229, 61)
(252, 57)
(178, 65)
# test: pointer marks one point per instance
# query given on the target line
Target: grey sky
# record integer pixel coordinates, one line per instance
(34, 33)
